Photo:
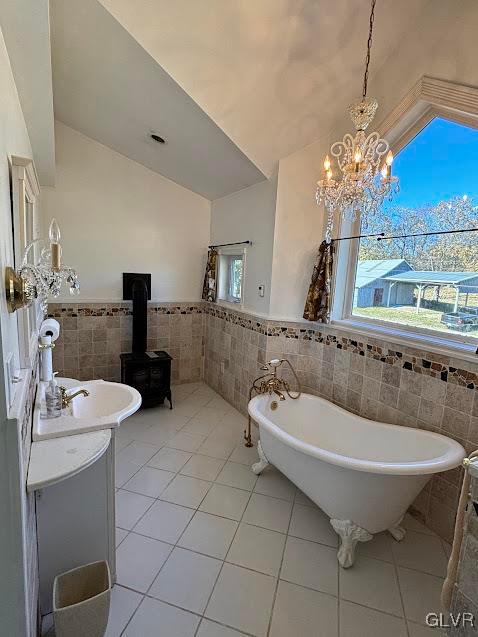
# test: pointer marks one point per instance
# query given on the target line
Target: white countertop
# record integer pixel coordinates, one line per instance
(53, 460)
(104, 406)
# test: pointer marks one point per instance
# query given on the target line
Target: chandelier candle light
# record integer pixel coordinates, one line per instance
(365, 182)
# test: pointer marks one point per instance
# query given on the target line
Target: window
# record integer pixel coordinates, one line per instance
(422, 285)
(231, 277)
(428, 282)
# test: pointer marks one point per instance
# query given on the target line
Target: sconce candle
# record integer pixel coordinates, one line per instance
(55, 247)
(42, 279)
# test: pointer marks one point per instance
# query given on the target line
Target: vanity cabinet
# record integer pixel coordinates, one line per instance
(75, 520)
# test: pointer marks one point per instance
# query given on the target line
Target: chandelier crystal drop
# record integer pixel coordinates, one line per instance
(364, 161)
(44, 279)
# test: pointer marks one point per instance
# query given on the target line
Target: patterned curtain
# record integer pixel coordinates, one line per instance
(319, 298)
(209, 290)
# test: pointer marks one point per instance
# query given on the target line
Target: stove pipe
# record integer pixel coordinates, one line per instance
(140, 316)
(137, 287)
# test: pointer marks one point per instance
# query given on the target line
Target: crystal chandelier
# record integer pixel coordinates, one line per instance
(43, 279)
(365, 181)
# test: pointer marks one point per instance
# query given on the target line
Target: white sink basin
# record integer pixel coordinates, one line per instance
(104, 408)
(105, 400)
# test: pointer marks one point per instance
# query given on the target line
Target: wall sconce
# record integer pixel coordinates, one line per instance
(39, 280)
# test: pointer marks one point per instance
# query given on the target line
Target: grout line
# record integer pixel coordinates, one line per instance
(229, 547)
(121, 541)
(176, 546)
(281, 563)
(154, 579)
(214, 621)
(185, 610)
(239, 522)
(158, 498)
(134, 612)
(376, 610)
(154, 499)
(395, 568)
(308, 588)
(123, 488)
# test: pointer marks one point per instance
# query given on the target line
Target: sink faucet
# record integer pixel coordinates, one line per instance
(66, 399)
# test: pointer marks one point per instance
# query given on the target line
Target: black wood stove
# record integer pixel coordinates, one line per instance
(148, 372)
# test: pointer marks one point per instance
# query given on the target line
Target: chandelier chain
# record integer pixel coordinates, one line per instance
(369, 47)
(364, 178)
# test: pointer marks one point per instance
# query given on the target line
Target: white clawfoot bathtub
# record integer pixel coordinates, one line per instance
(363, 474)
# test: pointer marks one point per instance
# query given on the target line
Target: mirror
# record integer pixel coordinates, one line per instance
(25, 217)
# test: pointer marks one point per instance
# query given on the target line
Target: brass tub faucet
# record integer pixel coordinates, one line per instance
(270, 383)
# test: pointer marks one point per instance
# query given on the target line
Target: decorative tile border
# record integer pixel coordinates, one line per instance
(370, 377)
(421, 362)
(418, 361)
(248, 321)
(94, 334)
(73, 310)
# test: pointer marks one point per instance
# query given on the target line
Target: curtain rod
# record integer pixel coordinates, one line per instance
(236, 243)
(381, 235)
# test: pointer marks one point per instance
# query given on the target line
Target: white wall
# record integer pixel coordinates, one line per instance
(249, 215)
(13, 141)
(298, 232)
(118, 216)
(442, 45)
(26, 29)
(14, 604)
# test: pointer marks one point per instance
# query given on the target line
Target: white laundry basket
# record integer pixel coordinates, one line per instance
(81, 601)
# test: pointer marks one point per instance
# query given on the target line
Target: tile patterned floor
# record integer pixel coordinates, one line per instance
(207, 549)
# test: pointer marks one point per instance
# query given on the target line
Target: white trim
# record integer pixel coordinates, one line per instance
(414, 331)
(427, 99)
(457, 100)
(229, 305)
(423, 341)
(231, 251)
(81, 301)
(25, 190)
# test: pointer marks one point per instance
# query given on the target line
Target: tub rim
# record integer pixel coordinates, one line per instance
(451, 459)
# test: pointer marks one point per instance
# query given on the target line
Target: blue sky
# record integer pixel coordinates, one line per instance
(439, 163)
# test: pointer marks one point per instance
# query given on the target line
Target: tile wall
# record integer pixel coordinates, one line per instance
(401, 386)
(372, 378)
(93, 335)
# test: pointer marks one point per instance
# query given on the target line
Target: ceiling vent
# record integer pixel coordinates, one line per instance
(157, 138)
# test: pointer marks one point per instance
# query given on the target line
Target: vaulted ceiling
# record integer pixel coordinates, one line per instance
(234, 85)
(106, 86)
(271, 73)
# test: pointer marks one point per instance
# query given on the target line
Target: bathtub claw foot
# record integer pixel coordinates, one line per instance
(397, 532)
(349, 534)
(258, 467)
